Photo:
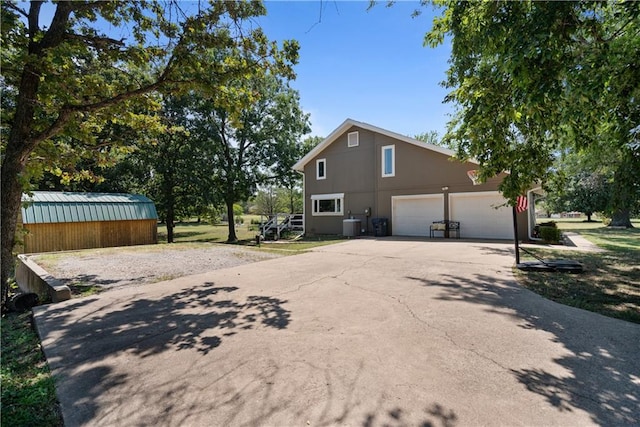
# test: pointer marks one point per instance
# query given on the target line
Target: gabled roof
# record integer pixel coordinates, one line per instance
(347, 124)
(53, 206)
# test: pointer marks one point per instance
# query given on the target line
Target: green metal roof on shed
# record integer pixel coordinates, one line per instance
(50, 206)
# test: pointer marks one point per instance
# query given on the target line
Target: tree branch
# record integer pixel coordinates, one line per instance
(58, 28)
(67, 111)
(15, 8)
(97, 42)
(33, 18)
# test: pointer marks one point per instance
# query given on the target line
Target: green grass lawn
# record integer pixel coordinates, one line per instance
(192, 232)
(205, 232)
(614, 239)
(610, 284)
(28, 392)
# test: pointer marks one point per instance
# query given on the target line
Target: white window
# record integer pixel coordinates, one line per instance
(388, 161)
(327, 204)
(353, 139)
(321, 168)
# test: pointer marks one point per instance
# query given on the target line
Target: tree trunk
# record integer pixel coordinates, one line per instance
(171, 213)
(11, 196)
(170, 224)
(21, 141)
(232, 226)
(19, 147)
(589, 217)
(621, 218)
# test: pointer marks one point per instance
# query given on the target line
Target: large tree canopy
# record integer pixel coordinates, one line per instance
(247, 147)
(531, 78)
(65, 78)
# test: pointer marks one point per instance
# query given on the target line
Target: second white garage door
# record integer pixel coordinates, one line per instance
(412, 215)
(482, 215)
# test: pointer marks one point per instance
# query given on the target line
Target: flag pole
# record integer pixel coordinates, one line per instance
(515, 234)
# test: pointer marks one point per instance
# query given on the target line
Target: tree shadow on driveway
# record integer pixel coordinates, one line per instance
(77, 341)
(603, 362)
(183, 320)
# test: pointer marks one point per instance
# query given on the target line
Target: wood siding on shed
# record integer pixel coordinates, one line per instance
(84, 235)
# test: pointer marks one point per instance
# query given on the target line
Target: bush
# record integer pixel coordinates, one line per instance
(550, 234)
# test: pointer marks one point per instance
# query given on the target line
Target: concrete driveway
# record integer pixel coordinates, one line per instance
(367, 332)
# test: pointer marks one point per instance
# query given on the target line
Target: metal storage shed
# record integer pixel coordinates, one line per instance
(57, 221)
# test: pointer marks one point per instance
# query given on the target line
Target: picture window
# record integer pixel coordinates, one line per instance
(327, 204)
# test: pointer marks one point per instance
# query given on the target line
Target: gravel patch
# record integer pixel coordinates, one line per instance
(114, 267)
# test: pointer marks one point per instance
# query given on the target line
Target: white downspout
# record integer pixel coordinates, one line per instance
(304, 204)
(531, 214)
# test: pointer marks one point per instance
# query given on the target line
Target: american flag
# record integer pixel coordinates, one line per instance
(522, 204)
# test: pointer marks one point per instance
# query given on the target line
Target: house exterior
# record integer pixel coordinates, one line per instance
(363, 172)
(58, 221)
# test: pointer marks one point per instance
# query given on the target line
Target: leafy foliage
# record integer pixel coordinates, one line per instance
(244, 146)
(68, 87)
(581, 183)
(430, 137)
(272, 200)
(286, 177)
(550, 234)
(532, 78)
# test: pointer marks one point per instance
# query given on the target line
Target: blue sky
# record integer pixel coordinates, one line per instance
(367, 65)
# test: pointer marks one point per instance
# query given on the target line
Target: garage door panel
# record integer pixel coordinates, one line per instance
(482, 215)
(413, 216)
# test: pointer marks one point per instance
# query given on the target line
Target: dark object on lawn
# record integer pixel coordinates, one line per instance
(23, 302)
(559, 265)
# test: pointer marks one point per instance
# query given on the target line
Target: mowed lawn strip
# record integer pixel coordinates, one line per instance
(610, 283)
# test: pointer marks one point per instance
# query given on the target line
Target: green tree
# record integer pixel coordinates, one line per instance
(271, 200)
(581, 182)
(589, 194)
(66, 78)
(285, 176)
(308, 144)
(179, 180)
(530, 78)
(586, 192)
(246, 146)
(430, 137)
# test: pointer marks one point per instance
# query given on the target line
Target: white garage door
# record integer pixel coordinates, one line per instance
(478, 216)
(412, 215)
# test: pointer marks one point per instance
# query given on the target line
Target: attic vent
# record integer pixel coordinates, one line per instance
(352, 139)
